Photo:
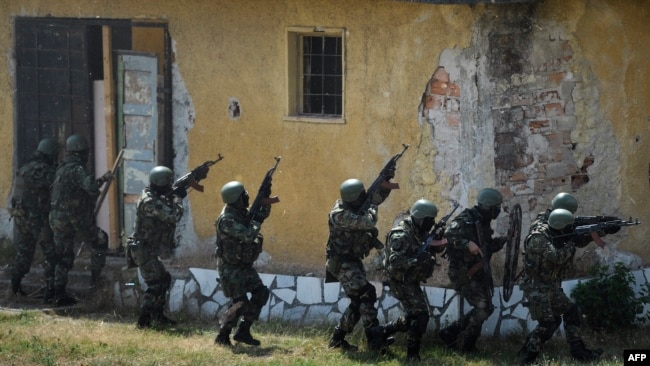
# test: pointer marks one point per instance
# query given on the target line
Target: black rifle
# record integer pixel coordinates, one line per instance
(262, 198)
(588, 220)
(437, 231)
(601, 226)
(381, 180)
(193, 178)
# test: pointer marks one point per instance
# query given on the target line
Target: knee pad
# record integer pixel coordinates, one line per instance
(260, 295)
(368, 294)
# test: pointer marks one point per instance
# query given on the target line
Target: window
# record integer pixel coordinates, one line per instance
(316, 75)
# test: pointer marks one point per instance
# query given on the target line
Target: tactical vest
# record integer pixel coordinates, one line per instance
(149, 230)
(234, 251)
(418, 273)
(67, 195)
(32, 188)
(536, 267)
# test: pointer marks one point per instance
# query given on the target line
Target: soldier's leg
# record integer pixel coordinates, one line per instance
(158, 281)
(417, 311)
(477, 296)
(541, 310)
(25, 246)
(97, 240)
(572, 319)
(346, 325)
(259, 297)
(46, 242)
(64, 248)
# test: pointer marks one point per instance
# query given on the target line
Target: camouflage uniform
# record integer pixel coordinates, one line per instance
(545, 262)
(238, 245)
(352, 236)
(155, 224)
(30, 209)
(405, 273)
(472, 284)
(74, 196)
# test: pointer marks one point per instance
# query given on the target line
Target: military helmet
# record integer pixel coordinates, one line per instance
(48, 146)
(489, 197)
(423, 208)
(231, 191)
(161, 176)
(351, 189)
(76, 143)
(560, 218)
(565, 201)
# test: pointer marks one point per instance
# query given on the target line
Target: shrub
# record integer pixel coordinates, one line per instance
(608, 300)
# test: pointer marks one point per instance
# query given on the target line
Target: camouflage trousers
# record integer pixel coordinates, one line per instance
(551, 307)
(352, 276)
(476, 293)
(416, 309)
(158, 281)
(65, 231)
(33, 231)
(236, 282)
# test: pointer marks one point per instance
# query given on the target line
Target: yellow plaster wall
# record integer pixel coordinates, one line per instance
(234, 49)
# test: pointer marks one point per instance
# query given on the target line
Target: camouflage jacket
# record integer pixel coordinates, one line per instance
(402, 246)
(32, 189)
(155, 222)
(352, 235)
(545, 262)
(462, 230)
(74, 191)
(238, 243)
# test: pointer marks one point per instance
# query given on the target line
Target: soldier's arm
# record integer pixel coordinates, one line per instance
(347, 220)
(398, 258)
(456, 237)
(539, 245)
(162, 211)
(239, 230)
(85, 181)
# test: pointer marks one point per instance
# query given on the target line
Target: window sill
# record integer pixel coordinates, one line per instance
(313, 119)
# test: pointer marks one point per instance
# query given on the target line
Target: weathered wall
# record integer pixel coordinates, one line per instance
(225, 50)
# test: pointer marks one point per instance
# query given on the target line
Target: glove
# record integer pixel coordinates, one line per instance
(389, 173)
(201, 174)
(105, 178)
(180, 192)
(423, 257)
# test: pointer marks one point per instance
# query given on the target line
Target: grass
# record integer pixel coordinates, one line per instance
(37, 337)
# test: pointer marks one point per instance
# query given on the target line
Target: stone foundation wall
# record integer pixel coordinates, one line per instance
(308, 300)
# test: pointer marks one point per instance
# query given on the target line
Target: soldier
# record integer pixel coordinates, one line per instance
(157, 212)
(468, 236)
(545, 256)
(239, 244)
(408, 263)
(352, 235)
(74, 196)
(30, 208)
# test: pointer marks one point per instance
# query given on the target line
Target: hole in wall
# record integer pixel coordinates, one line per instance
(234, 110)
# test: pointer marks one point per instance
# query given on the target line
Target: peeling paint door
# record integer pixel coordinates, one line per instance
(138, 112)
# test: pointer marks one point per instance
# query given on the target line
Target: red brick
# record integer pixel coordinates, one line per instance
(454, 90)
(548, 96)
(453, 119)
(441, 74)
(535, 126)
(438, 87)
(556, 77)
(519, 176)
(554, 109)
(532, 111)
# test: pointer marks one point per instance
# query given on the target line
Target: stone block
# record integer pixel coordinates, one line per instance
(209, 310)
(206, 279)
(333, 317)
(220, 298)
(191, 288)
(343, 304)
(317, 314)
(175, 301)
(285, 294)
(282, 281)
(267, 279)
(192, 307)
(435, 295)
(277, 311)
(332, 291)
(388, 302)
(295, 314)
(309, 290)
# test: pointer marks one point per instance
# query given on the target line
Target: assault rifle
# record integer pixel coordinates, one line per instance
(263, 194)
(437, 231)
(589, 220)
(193, 178)
(381, 180)
(601, 226)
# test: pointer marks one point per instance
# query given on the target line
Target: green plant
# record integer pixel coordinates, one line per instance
(608, 300)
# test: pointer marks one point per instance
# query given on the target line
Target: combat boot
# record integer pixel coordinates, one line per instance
(243, 334)
(375, 337)
(449, 335)
(161, 319)
(61, 298)
(16, 288)
(144, 321)
(95, 279)
(582, 353)
(223, 338)
(338, 340)
(529, 357)
(413, 353)
(469, 344)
